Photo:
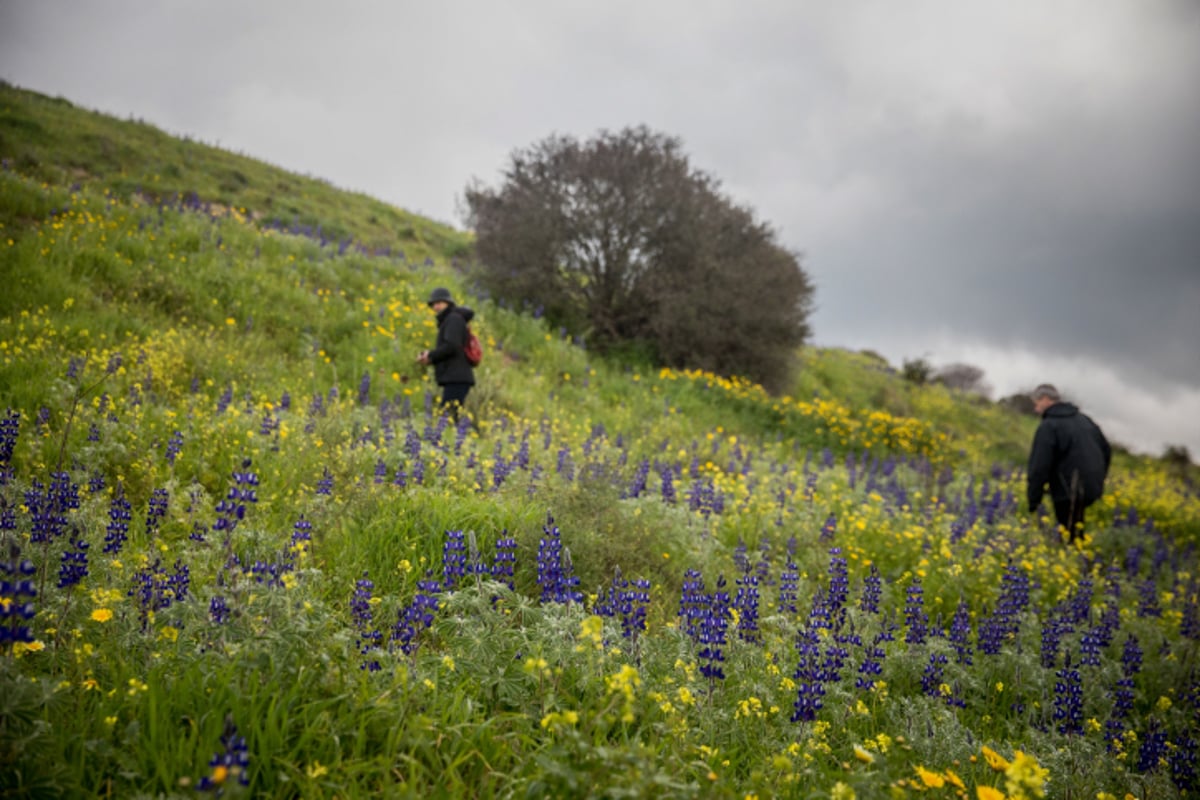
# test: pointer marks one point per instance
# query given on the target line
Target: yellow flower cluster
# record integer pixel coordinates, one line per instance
(624, 684)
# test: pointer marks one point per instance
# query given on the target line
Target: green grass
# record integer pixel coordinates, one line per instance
(129, 322)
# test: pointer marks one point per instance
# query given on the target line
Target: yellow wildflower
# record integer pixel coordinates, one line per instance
(1025, 777)
(932, 780)
(994, 759)
(841, 791)
(863, 755)
(988, 793)
(21, 648)
(102, 614)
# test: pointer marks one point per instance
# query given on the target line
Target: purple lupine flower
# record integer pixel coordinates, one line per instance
(454, 559)
(418, 472)
(48, 506)
(119, 516)
(154, 589)
(809, 687)
(762, 569)
(415, 617)
(711, 633)
(838, 651)
(1189, 625)
(931, 679)
(234, 760)
(433, 433)
(1153, 752)
(565, 467)
(1081, 601)
(819, 617)
(872, 591)
(668, 486)
(504, 561)
(174, 446)
(301, 534)
(224, 401)
(364, 390)
(232, 508)
(746, 603)
(521, 459)
(789, 585)
(872, 664)
(1068, 700)
(554, 568)
(1089, 649)
(960, 633)
(10, 429)
(1052, 632)
(829, 528)
(693, 601)
(638, 484)
(1005, 622)
(159, 502)
(269, 424)
(74, 565)
(218, 610)
(16, 595)
(839, 580)
(325, 484)
(1182, 761)
(914, 613)
(1148, 599)
(1131, 663)
(380, 471)
(626, 601)
(740, 559)
(1110, 620)
(500, 469)
(1131, 656)
(369, 638)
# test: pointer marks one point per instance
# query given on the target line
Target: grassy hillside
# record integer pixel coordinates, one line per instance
(243, 543)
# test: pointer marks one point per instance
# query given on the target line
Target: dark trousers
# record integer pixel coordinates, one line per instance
(453, 397)
(1070, 515)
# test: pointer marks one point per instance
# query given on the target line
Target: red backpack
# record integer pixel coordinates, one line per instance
(473, 350)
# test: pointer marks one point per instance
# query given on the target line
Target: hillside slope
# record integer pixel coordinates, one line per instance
(233, 517)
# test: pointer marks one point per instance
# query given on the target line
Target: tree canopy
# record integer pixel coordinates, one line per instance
(620, 239)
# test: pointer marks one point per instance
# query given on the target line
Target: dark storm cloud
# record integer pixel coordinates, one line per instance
(1012, 182)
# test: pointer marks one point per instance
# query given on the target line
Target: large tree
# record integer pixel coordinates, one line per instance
(619, 238)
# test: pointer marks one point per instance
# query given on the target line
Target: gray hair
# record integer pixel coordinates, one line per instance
(1045, 390)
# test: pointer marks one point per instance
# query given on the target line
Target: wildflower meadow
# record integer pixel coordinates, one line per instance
(244, 554)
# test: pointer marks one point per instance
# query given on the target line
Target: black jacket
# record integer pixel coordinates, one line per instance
(450, 364)
(1071, 454)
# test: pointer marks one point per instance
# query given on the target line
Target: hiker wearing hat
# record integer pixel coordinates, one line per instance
(450, 366)
(1071, 454)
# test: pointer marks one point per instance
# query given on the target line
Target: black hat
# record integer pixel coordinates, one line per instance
(441, 294)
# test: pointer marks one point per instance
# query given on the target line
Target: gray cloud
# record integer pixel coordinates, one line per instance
(1017, 183)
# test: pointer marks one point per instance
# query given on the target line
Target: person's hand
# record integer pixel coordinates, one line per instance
(423, 357)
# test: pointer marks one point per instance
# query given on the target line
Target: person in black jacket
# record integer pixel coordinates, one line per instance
(1071, 454)
(450, 366)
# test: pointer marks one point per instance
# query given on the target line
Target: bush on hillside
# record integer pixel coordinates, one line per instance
(620, 239)
(964, 378)
(1019, 402)
(917, 371)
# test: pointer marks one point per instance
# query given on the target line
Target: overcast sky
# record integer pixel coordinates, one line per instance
(1009, 183)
